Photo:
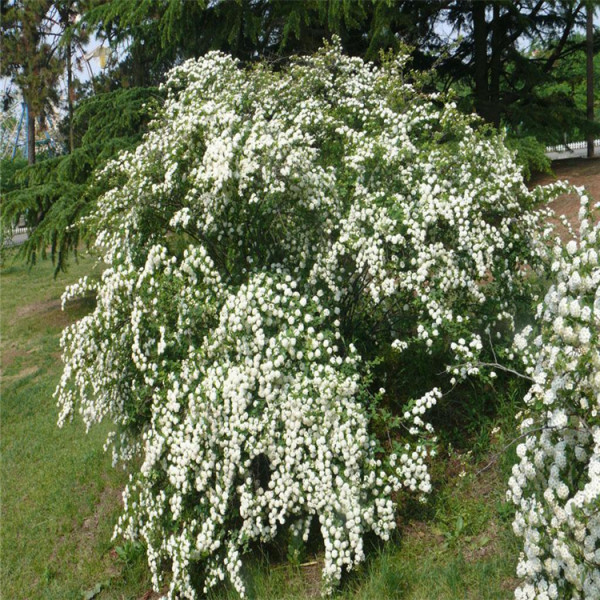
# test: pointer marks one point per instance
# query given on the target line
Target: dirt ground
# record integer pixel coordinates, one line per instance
(578, 171)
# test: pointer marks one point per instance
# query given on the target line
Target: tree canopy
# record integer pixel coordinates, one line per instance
(518, 64)
(502, 52)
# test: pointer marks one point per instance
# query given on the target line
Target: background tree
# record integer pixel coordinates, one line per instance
(54, 194)
(161, 33)
(504, 53)
(30, 60)
(518, 64)
(67, 14)
(499, 53)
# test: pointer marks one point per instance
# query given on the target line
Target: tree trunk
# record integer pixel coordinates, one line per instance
(480, 58)
(137, 65)
(590, 75)
(70, 96)
(30, 136)
(495, 67)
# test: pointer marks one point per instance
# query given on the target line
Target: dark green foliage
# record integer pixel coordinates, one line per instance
(8, 170)
(524, 73)
(479, 46)
(530, 155)
(562, 98)
(171, 23)
(121, 114)
(56, 193)
(165, 32)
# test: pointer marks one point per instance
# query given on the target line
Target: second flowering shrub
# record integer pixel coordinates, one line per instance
(555, 486)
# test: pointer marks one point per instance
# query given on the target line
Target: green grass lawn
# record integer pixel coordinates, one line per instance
(60, 497)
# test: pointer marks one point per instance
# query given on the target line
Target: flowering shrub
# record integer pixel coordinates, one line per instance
(556, 484)
(274, 235)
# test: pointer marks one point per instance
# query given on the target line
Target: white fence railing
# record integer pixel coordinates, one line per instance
(570, 146)
(14, 237)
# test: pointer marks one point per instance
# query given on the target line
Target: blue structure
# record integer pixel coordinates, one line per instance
(24, 115)
(25, 118)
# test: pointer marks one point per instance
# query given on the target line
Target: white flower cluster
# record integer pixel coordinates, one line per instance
(556, 484)
(273, 234)
(263, 427)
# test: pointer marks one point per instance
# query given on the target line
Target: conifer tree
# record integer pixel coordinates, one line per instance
(67, 13)
(30, 60)
(54, 194)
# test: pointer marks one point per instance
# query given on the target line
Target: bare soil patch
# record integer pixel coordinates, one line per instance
(311, 574)
(85, 535)
(8, 357)
(577, 171)
(151, 595)
(423, 532)
(37, 308)
(108, 498)
(25, 372)
(51, 312)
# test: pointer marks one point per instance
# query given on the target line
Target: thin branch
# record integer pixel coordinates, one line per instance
(513, 441)
(520, 437)
(492, 345)
(500, 367)
(563, 40)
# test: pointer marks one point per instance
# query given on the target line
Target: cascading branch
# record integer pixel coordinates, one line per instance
(273, 235)
(556, 484)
